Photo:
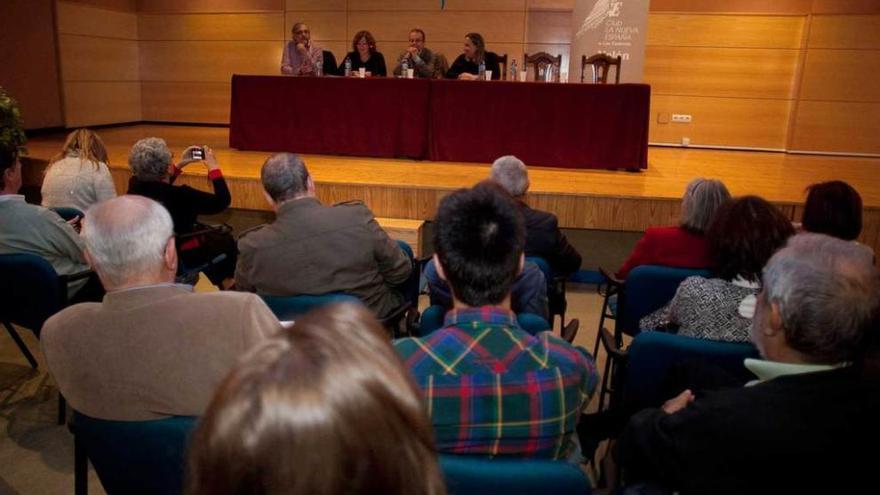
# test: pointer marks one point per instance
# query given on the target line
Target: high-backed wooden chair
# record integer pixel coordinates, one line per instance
(441, 66)
(540, 61)
(603, 64)
(502, 64)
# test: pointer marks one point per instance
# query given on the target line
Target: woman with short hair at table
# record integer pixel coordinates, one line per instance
(364, 54)
(467, 65)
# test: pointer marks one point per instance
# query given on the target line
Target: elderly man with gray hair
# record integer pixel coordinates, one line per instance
(815, 401)
(315, 249)
(152, 348)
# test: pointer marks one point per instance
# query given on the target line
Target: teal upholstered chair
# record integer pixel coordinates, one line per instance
(288, 308)
(131, 457)
(474, 475)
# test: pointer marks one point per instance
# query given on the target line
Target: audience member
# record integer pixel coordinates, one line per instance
(153, 176)
(417, 57)
(316, 249)
(467, 65)
(27, 228)
(814, 403)
(683, 246)
(78, 176)
(364, 55)
(742, 237)
(325, 408)
(833, 208)
(481, 362)
(301, 57)
(152, 348)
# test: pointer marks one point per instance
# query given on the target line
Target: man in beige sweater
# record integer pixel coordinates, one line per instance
(151, 349)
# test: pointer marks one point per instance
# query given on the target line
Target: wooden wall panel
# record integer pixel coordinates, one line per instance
(841, 75)
(549, 27)
(338, 5)
(208, 6)
(506, 27)
(86, 58)
(845, 31)
(736, 72)
(324, 25)
(212, 27)
(30, 63)
(837, 127)
(740, 122)
(119, 5)
(211, 61)
(78, 19)
(846, 7)
(97, 103)
(186, 102)
(433, 5)
(534, 5)
(731, 31)
(733, 6)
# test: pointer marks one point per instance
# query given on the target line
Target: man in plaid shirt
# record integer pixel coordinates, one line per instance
(492, 388)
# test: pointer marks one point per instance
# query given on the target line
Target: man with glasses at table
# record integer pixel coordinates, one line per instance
(417, 57)
(301, 57)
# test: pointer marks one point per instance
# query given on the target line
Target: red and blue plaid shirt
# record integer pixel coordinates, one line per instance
(494, 389)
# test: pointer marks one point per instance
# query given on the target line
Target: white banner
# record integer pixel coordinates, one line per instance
(615, 27)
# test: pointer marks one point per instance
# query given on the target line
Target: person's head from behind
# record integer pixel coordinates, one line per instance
(86, 145)
(479, 240)
(474, 47)
(325, 408)
(285, 177)
(701, 200)
(819, 302)
(10, 170)
(833, 208)
(150, 160)
(130, 242)
(744, 234)
(511, 173)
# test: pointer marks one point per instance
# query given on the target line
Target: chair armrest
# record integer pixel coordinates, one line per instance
(611, 346)
(610, 278)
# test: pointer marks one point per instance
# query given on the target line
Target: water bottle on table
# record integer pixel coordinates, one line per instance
(513, 71)
(482, 71)
(347, 67)
(404, 66)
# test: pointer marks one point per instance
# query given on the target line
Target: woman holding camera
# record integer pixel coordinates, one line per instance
(153, 176)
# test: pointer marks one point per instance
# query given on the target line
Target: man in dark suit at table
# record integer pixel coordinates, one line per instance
(417, 57)
(315, 249)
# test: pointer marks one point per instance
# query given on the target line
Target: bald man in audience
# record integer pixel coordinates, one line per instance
(808, 422)
(152, 348)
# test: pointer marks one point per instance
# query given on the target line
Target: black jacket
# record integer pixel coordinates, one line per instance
(544, 239)
(184, 203)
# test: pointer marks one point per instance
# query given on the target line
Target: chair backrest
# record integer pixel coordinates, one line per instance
(67, 212)
(544, 265)
(647, 289)
(441, 66)
(540, 62)
(136, 457)
(603, 63)
(502, 64)
(288, 308)
(652, 355)
(30, 290)
(433, 316)
(329, 67)
(474, 475)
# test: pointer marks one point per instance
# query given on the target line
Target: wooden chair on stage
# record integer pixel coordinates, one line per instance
(540, 62)
(502, 64)
(603, 63)
(441, 66)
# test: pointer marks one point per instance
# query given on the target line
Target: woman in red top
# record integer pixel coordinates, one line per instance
(684, 246)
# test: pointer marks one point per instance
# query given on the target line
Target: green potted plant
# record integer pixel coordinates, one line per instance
(12, 134)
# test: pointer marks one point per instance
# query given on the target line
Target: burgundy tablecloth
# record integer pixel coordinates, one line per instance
(379, 117)
(556, 125)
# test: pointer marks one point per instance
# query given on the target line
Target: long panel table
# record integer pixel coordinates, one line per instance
(555, 125)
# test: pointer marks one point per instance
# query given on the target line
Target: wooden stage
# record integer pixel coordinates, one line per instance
(582, 199)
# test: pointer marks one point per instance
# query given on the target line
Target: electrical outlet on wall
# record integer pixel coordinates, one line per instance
(681, 117)
(685, 141)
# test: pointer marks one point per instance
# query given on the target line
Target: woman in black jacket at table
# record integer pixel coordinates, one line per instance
(364, 55)
(467, 65)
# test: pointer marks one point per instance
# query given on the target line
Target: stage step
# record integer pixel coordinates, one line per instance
(408, 231)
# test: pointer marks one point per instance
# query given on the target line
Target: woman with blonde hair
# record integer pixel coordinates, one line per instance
(325, 408)
(78, 176)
